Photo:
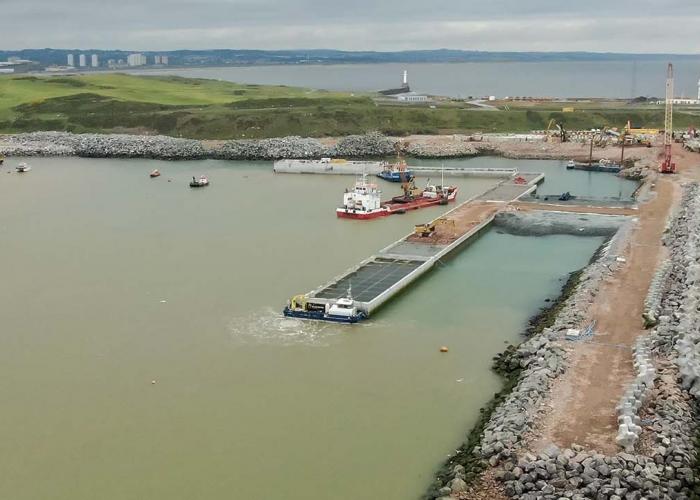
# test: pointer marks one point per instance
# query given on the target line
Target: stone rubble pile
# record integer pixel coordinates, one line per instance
(271, 149)
(361, 146)
(171, 148)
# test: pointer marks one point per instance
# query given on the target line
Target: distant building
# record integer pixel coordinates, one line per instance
(95, 61)
(71, 60)
(411, 97)
(82, 60)
(16, 65)
(164, 60)
(156, 59)
(136, 60)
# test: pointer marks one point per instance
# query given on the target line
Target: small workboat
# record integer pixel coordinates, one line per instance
(396, 172)
(342, 310)
(23, 167)
(571, 164)
(201, 182)
(155, 173)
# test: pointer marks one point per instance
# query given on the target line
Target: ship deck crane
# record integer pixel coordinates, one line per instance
(667, 166)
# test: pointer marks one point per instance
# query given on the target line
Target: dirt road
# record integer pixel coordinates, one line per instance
(583, 401)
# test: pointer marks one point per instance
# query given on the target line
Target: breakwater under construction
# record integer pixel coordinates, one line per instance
(187, 306)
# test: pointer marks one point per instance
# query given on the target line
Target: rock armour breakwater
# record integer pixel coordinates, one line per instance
(170, 148)
(372, 145)
(661, 463)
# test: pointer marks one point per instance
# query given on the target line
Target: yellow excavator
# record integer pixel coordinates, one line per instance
(425, 230)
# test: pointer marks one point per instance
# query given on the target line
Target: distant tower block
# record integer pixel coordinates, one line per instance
(83, 60)
(95, 60)
(71, 60)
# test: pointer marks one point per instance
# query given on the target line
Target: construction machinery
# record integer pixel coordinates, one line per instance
(561, 132)
(426, 230)
(667, 166)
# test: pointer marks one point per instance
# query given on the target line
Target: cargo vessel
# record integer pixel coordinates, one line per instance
(364, 201)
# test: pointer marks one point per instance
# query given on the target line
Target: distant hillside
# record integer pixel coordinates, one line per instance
(222, 57)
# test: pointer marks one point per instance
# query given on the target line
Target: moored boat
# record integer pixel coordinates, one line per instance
(364, 202)
(570, 164)
(155, 173)
(342, 310)
(23, 167)
(201, 182)
(396, 172)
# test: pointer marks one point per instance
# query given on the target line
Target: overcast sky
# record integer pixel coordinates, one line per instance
(640, 26)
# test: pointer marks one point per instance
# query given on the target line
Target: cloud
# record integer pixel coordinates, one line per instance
(517, 25)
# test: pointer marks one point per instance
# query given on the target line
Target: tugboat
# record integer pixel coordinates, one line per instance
(396, 172)
(201, 182)
(23, 167)
(155, 173)
(342, 310)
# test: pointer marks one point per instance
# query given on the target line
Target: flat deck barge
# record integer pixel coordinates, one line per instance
(377, 279)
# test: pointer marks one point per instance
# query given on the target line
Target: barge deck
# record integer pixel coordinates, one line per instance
(377, 279)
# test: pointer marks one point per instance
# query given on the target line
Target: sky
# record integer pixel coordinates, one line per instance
(641, 26)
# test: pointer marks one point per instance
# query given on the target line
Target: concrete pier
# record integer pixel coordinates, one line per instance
(377, 279)
(346, 167)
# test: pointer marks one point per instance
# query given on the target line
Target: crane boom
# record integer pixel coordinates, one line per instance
(668, 167)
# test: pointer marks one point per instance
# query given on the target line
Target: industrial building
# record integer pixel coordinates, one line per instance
(136, 60)
(411, 97)
(17, 65)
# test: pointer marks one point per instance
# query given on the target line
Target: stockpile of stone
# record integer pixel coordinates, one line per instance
(101, 146)
(460, 147)
(360, 146)
(271, 149)
(171, 148)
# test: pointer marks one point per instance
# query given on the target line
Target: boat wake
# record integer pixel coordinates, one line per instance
(269, 326)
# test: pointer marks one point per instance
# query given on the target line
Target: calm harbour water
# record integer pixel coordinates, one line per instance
(112, 281)
(612, 79)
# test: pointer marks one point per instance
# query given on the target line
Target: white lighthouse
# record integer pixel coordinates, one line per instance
(698, 90)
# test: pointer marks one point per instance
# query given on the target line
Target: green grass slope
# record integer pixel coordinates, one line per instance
(212, 109)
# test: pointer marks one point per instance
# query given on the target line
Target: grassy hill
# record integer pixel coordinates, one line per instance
(212, 109)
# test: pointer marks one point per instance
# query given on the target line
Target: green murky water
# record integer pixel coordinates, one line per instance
(112, 281)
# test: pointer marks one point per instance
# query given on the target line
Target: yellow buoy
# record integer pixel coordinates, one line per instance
(444, 349)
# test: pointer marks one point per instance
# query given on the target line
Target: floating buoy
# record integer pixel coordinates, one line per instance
(444, 349)
(153, 382)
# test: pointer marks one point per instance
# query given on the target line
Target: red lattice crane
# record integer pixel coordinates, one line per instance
(668, 167)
